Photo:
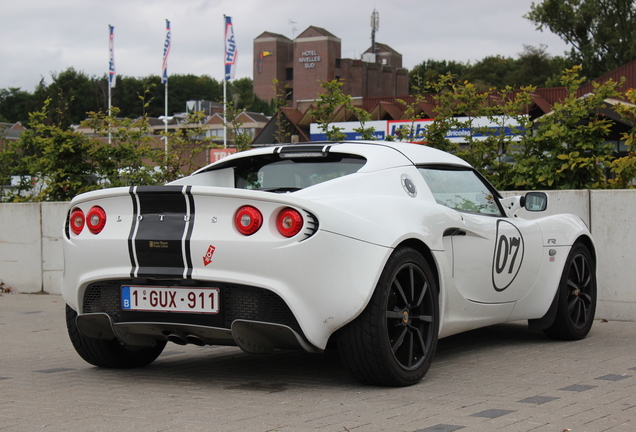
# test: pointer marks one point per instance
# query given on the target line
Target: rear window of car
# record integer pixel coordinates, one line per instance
(284, 174)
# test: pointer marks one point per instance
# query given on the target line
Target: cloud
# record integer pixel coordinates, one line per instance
(41, 37)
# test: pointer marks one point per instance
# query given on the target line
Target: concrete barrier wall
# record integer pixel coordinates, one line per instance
(21, 246)
(31, 244)
(614, 229)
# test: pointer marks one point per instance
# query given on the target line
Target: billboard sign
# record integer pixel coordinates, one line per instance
(481, 128)
(347, 128)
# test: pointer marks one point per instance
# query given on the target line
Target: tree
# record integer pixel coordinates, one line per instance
(76, 87)
(366, 133)
(430, 70)
(124, 150)
(535, 67)
(491, 71)
(234, 126)
(602, 33)
(278, 103)
(412, 114)
(462, 108)
(327, 104)
(624, 168)
(54, 163)
(186, 148)
(568, 148)
(15, 105)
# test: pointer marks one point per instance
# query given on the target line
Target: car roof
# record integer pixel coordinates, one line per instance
(379, 154)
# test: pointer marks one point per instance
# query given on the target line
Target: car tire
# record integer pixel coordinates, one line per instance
(576, 298)
(109, 353)
(393, 341)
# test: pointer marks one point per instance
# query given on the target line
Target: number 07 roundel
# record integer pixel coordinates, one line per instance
(508, 255)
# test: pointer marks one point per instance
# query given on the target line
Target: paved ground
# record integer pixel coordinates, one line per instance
(501, 378)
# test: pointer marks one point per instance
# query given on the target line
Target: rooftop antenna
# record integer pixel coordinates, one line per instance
(293, 24)
(375, 26)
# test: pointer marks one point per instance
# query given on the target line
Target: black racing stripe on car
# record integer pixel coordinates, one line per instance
(190, 228)
(161, 222)
(133, 224)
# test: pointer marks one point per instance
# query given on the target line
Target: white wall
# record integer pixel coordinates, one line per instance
(21, 246)
(614, 229)
(31, 244)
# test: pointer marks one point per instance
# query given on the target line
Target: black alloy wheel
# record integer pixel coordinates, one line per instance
(409, 316)
(393, 341)
(576, 298)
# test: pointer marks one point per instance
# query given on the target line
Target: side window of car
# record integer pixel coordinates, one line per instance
(461, 189)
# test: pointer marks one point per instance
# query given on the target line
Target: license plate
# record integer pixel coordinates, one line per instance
(170, 299)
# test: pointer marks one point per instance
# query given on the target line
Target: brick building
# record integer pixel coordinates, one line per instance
(314, 57)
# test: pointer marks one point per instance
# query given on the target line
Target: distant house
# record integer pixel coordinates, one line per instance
(10, 132)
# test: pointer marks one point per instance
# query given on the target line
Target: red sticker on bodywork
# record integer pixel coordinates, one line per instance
(207, 258)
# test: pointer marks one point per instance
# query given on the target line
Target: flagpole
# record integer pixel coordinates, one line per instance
(112, 77)
(229, 58)
(224, 81)
(109, 60)
(166, 121)
(166, 48)
(224, 111)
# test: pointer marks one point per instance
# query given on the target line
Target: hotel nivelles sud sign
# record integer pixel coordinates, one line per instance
(309, 58)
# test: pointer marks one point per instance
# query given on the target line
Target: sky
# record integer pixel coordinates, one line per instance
(39, 38)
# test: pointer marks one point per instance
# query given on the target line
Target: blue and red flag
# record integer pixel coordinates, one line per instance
(166, 51)
(111, 52)
(230, 49)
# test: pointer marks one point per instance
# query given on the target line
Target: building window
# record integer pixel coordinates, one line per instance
(215, 133)
(337, 63)
(289, 96)
(289, 74)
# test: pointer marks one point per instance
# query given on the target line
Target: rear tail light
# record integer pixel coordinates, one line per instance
(96, 220)
(77, 221)
(289, 222)
(248, 220)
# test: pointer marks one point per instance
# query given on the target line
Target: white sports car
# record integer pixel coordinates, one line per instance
(379, 248)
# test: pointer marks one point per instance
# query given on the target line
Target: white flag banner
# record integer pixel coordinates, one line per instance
(230, 50)
(112, 76)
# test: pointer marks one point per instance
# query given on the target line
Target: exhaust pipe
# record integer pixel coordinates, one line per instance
(189, 339)
(177, 339)
(195, 340)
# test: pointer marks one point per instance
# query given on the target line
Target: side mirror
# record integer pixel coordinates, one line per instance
(535, 201)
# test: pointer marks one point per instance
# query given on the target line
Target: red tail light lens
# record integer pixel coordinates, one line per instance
(96, 220)
(289, 222)
(77, 221)
(248, 220)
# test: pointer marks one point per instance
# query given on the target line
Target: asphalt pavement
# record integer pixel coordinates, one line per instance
(501, 378)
